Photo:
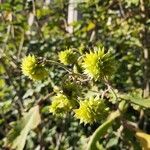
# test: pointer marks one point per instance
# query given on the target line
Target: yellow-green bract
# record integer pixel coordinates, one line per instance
(61, 104)
(91, 110)
(67, 57)
(98, 64)
(32, 69)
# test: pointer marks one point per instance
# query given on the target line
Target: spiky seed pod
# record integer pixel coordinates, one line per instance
(91, 110)
(61, 105)
(32, 69)
(67, 57)
(98, 64)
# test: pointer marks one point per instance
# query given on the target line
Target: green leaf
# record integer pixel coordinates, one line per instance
(134, 2)
(138, 101)
(112, 142)
(17, 136)
(28, 93)
(101, 130)
(141, 102)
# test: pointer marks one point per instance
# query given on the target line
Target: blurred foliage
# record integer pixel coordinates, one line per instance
(40, 28)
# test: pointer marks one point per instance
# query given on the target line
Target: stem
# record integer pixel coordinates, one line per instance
(64, 67)
(121, 8)
(111, 88)
(21, 44)
(58, 64)
(41, 100)
(103, 94)
(130, 101)
(146, 46)
(114, 93)
(101, 130)
(129, 125)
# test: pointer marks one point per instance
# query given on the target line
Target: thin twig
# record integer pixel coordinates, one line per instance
(21, 45)
(64, 67)
(41, 100)
(58, 64)
(103, 94)
(110, 88)
(121, 9)
(130, 125)
(141, 117)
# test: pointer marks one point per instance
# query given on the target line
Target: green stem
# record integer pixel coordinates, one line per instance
(113, 92)
(64, 67)
(110, 88)
(101, 130)
(58, 64)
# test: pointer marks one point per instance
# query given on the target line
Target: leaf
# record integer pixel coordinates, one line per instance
(144, 139)
(112, 142)
(139, 101)
(90, 26)
(101, 130)
(5, 106)
(17, 136)
(28, 93)
(134, 2)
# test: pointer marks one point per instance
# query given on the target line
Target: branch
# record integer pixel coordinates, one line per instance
(64, 67)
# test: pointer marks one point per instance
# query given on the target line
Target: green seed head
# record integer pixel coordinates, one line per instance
(91, 110)
(32, 69)
(98, 64)
(61, 105)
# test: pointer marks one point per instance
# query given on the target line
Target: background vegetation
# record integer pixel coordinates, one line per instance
(40, 28)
